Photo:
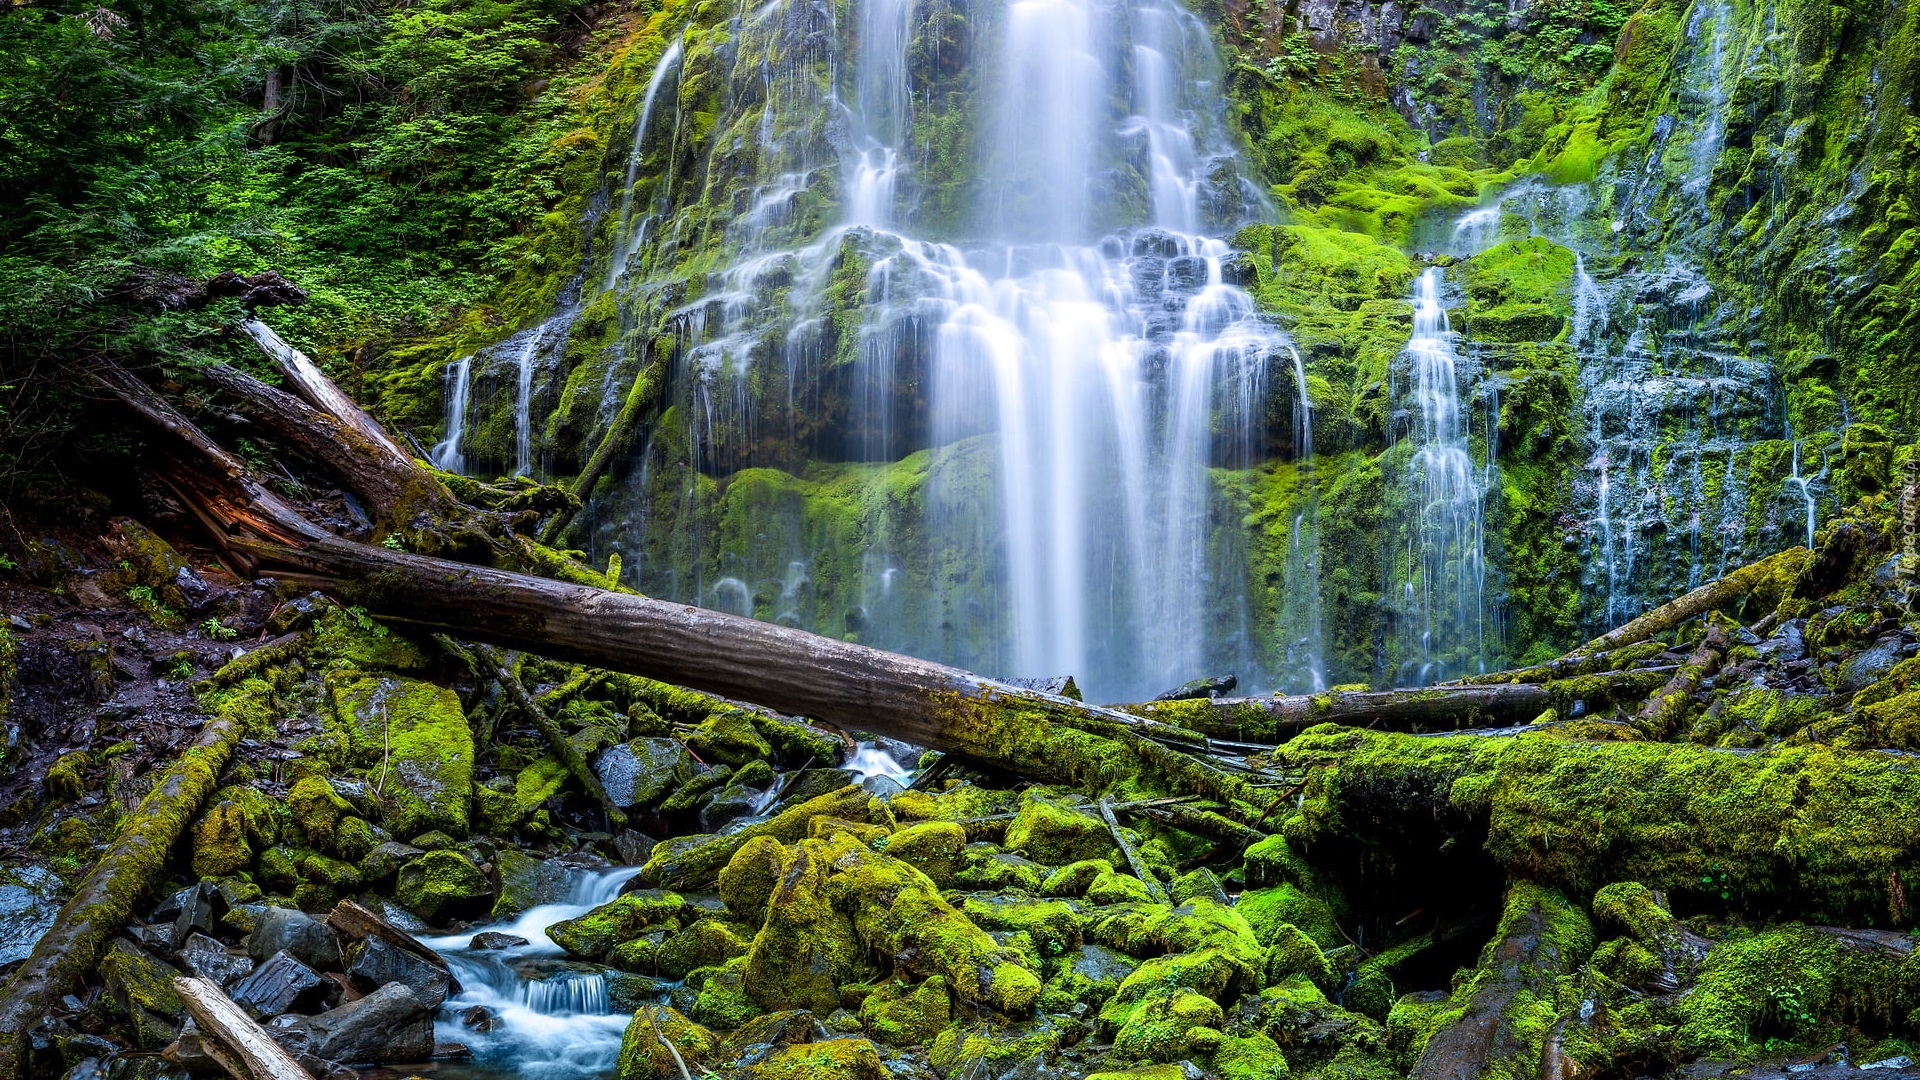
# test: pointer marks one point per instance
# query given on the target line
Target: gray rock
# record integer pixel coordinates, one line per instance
(527, 882)
(387, 1026)
(1057, 685)
(28, 903)
(197, 907)
(386, 860)
(211, 960)
(282, 984)
(297, 934)
(1871, 664)
(494, 939)
(374, 961)
(728, 805)
(886, 787)
(641, 772)
(628, 991)
(402, 918)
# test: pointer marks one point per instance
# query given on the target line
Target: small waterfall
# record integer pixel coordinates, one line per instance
(1306, 660)
(459, 383)
(1447, 575)
(1806, 491)
(523, 402)
(553, 1019)
(627, 239)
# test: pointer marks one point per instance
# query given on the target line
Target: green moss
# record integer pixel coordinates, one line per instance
(220, 841)
(317, 810)
(833, 1059)
(1075, 879)
(595, 933)
(1052, 925)
(729, 737)
(1253, 1057)
(1162, 1028)
(723, 1002)
(750, 877)
(806, 948)
(900, 1014)
(1267, 910)
(414, 740)
(66, 779)
(443, 884)
(1795, 983)
(1291, 952)
(706, 943)
(659, 1041)
(1050, 833)
(931, 847)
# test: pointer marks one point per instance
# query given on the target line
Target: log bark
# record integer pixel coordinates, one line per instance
(101, 906)
(563, 747)
(219, 1017)
(1275, 719)
(355, 921)
(1567, 667)
(1666, 709)
(313, 386)
(1140, 870)
(393, 487)
(1709, 597)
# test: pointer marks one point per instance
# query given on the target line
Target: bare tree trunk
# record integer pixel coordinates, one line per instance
(313, 386)
(260, 1058)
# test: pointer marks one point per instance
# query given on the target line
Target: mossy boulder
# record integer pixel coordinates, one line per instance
(806, 949)
(705, 943)
(750, 876)
(829, 1059)
(1074, 879)
(995, 1047)
(527, 882)
(443, 884)
(1633, 908)
(1166, 1025)
(220, 841)
(658, 1041)
(414, 740)
(1052, 925)
(1050, 833)
(317, 810)
(142, 986)
(66, 779)
(903, 1014)
(596, 933)
(931, 847)
(984, 866)
(1115, 887)
(356, 838)
(640, 772)
(1091, 975)
(1267, 910)
(1291, 952)
(729, 736)
(721, 1001)
(1249, 1057)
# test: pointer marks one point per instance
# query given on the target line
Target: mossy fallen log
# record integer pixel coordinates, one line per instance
(313, 386)
(1776, 575)
(1664, 711)
(1807, 832)
(562, 747)
(101, 906)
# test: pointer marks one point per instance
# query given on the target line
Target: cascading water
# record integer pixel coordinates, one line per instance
(1445, 619)
(459, 379)
(1065, 326)
(1300, 619)
(549, 1018)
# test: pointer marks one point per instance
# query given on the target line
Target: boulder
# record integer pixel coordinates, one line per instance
(1052, 834)
(749, 877)
(280, 985)
(29, 899)
(931, 847)
(444, 884)
(296, 933)
(142, 985)
(527, 882)
(388, 1025)
(729, 737)
(594, 934)
(641, 772)
(662, 1044)
(420, 733)
(213, 961)
(386, 859)
(494, 939)
(375, 962)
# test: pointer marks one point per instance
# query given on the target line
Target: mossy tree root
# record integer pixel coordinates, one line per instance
(103, 903)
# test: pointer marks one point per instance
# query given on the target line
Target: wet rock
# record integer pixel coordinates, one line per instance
(389, 1025)
(282, 984)
(627, 991)
(479, 1018)
(931, 847)
(493, 939)
(296, 614)
(29, 899)
(1201, 688)
(902, 1015)
(295, 933)
(142, 985)
(155, 936)
(421, 732)
(213, 961)
(730, 804)
(374, 961)
(527, 882)
(595, 933)
(386, 859)
(641, 772)
(1871, 664)
(444, 884)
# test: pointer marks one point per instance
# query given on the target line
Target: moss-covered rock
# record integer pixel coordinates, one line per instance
(1266, 910)
(931, 847)
(722, 1002)
(596, 933)
(220, 841)
(1050, 833)
(1074, 879)
(1115, 887)
(1052, 925)
(1162, 1027)
(444, 884)
(829, 1059)
(1090, 975)
(902, 1014)
(729, 736)
(414, 740)
(984, 866)
(66, 779)
(1291, 952)
(705, 943)
(806, 948)
(750, 877)
(317, 810)
(662, 1044)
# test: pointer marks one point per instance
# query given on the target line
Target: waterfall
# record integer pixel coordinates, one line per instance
(552, 1017)
(1067, 336)
(1446, 578)
(523, 401)
(459, 380)
(1306, 660)
(627, 239)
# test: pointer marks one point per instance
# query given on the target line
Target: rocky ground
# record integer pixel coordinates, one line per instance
(1576, 899)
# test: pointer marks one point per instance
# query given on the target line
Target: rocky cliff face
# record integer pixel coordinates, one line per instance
(1678, 253)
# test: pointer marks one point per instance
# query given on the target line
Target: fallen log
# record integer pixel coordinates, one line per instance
(1435, 708)
(1709, 597)
(259, 1057)
(1567, 667)
(1667, 708)
(563, 747)
(1155, 890)
(101, 906)
(355, 921)
(313, 386)
(398, 492)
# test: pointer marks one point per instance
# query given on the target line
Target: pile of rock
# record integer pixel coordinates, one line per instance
(350, 990)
